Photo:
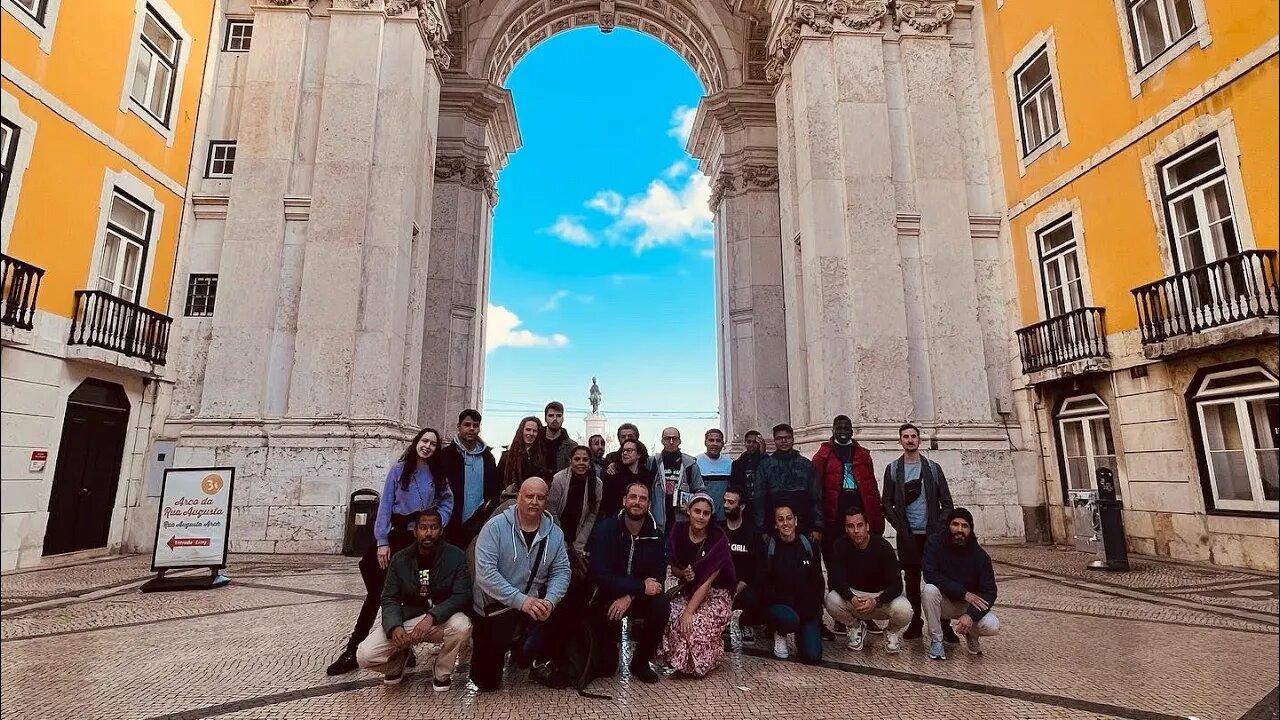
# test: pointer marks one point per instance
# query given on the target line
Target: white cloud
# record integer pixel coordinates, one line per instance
(606, 201)
(502, 328)
(553, 302)
(666, 215)
(571, 230)
(682, 123)
(678, 169)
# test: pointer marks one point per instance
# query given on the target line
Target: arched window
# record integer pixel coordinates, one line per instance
(1084, 438)
(1235, 414)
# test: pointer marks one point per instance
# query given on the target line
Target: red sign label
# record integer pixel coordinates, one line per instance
(39, 454)
(177, 542)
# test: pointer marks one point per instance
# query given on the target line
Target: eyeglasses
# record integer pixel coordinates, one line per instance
(628, 450)
(669, 437)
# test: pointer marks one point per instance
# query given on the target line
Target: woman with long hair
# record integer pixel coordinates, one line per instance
(415, 483)
(703, 604)
(523, 458)
(574, 498)
(632, 466)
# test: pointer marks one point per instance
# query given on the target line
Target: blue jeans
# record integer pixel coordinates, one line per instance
(784, 620)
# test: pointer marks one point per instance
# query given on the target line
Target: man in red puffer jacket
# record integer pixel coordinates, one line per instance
(848, 478)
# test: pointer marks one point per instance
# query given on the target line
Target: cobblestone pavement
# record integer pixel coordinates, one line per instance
(1165, 641)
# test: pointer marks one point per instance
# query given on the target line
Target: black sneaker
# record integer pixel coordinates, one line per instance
(915, 631)
(644, 673)
(948, 635)
(748, 637)
(412, 661)
(345, 663)
(548, 675)
(442, 684)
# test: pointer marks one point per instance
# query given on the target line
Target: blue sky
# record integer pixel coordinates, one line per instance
(602, 243)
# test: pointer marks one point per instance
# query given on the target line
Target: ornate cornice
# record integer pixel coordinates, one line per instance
(822, 18)
(468, 173)
(741, 180)
(924, 17)
(433, 24)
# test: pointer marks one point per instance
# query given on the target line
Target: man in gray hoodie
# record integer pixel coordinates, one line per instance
(522, 572)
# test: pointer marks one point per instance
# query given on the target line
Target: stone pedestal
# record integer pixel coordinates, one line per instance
(595, 423)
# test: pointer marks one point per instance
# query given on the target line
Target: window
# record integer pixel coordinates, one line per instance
(1060, 268)
(34, 8)
(202, 290)
(8, 155)
(1084, 433)
(124, 247)
(1236, 411)
(155, 71)
(221, 160)
(1202, 224)
(1157, 25)
(239, 36)
(1037, 106)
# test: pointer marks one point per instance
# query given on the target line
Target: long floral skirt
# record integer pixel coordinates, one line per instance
(699, 652)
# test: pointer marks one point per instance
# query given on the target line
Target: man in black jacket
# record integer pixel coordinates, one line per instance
(961, 585)
(866, 583)
(915, 501)
(424, 600)
(628, 562)
(742, 474)
(473, 476)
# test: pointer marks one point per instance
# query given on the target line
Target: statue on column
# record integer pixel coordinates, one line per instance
(594, 396)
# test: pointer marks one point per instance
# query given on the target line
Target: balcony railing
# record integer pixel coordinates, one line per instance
(1238, 287)
(1076, 335)
(106, 321)
(21, 286)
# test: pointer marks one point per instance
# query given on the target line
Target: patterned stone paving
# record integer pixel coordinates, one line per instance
(257, 649)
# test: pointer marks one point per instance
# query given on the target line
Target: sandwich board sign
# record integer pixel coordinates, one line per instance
(192, 527)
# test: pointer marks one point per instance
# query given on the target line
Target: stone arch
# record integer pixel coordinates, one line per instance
(716, 44)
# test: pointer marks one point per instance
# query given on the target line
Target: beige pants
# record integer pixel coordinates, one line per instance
(379, 654)
(937, 607)
(897, 612)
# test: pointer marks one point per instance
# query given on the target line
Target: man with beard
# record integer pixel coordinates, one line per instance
(745, 545)
(424, 601)
(961, 585)
(596, 443)
(628, 562)
(916, 501)
(556, 445)
(743, 472)
(786, 478)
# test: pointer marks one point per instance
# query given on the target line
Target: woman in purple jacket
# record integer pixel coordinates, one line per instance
(414, 484)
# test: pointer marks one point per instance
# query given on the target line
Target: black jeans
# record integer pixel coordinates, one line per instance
(492, 637)
(912, 559)
(652, 610)
(748, 601)
(374, 578)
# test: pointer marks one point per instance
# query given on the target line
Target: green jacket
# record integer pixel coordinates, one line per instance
(449, 581)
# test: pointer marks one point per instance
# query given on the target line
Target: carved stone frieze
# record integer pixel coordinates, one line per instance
(431, 23)
(467, 172)
(740, 180)
(925, 17)
(823, 18)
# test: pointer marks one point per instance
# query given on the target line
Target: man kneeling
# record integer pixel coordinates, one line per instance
(423, 600)
(961, 585)
(866, 583)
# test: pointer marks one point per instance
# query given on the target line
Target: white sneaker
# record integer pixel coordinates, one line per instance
(972, 643)
(892, 642)
(433, 648)
(780, 650)
(857, 636)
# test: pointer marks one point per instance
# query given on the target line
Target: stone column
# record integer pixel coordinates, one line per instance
(735, 135)
(477, 132)
(241, 353)
(828, 61)
(957, 361)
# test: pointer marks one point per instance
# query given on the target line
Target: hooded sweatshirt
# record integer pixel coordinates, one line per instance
(503, 563)
(957, 570)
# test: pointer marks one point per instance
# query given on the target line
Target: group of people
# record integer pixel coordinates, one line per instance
(558, 541)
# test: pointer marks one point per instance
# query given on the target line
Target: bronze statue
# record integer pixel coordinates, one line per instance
(594, 396)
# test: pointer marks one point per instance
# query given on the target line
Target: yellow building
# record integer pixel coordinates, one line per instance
(99, 110)
(1139, 150)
